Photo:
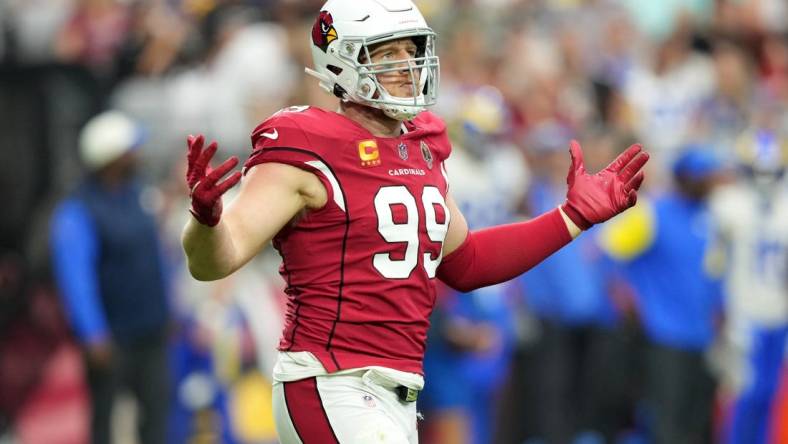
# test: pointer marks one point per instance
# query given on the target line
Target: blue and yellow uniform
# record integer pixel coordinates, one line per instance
(662, 248)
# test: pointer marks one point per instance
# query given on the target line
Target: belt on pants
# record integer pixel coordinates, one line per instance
(406, 394)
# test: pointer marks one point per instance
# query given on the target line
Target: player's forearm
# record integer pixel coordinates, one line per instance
(498, 254)
(210, 251)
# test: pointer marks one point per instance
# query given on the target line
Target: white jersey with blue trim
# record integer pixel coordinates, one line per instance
(754, 231)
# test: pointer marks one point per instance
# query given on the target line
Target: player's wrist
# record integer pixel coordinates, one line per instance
(573, 229)
(206, 215)
(575, 216)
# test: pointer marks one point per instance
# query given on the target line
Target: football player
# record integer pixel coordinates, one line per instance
(752, 215)
(357, 203)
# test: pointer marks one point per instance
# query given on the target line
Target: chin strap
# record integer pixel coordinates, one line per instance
(324, 80)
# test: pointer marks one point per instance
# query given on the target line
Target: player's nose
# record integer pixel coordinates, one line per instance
(404, 59)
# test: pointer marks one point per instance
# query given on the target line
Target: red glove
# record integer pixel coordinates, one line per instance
(592, 199)
(206, 190)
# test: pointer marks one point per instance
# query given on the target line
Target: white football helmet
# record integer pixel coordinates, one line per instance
(762, 154)
(341, 37)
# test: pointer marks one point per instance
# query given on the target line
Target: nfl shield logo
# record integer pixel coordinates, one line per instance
(403, 151)
(425, 151)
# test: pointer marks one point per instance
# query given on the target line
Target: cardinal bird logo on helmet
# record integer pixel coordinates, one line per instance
(323, 32)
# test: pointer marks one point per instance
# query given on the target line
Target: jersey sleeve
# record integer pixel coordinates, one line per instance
(278, 139)
(281, 139)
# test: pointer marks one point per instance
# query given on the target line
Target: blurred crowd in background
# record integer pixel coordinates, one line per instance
(666, 325)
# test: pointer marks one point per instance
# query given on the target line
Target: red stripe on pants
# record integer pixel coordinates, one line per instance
(306, 412)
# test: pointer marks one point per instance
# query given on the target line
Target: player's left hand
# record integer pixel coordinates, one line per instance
(592, 199)
(206, 190)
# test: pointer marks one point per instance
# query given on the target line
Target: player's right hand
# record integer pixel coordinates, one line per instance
(205, 189)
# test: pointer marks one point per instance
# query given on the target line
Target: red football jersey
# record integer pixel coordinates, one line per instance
(360, 271)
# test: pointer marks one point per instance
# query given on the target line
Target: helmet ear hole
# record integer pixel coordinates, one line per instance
(335, 69)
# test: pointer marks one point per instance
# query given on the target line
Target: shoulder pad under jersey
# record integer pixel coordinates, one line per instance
(305, 137)
(432, 129)
(285, 128)
(429, 123)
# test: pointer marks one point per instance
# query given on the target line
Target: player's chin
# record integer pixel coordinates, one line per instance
(402, 91)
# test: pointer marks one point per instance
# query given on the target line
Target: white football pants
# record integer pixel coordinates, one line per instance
(356, 408)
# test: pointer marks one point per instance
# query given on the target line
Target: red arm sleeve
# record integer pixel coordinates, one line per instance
(497, 254)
